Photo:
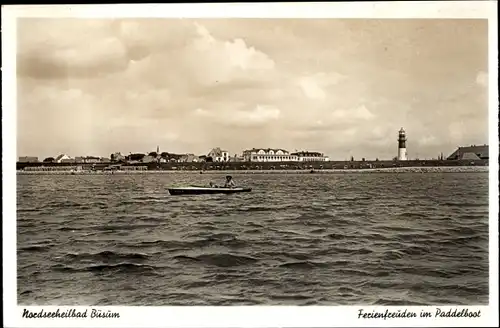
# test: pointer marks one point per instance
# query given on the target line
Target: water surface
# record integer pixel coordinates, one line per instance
(333, 239)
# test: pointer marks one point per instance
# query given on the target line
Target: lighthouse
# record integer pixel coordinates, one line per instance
(402, 154)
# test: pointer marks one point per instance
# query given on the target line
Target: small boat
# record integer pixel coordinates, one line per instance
(205, 190)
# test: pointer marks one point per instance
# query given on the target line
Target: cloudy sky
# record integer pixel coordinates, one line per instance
(342, 87)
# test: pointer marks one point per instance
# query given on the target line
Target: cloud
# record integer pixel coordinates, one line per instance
(130, 84)
(315, 86)
(68, 48)
(428, 140)
(211, 61)
(311, 89)
(358, 113)
(90, 48)
(261, 115)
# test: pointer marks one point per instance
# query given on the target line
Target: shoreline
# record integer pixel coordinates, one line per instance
(434, 169)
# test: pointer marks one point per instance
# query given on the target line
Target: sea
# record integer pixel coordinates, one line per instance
(296, 239)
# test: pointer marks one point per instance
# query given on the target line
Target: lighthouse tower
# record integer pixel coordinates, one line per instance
(402, 154)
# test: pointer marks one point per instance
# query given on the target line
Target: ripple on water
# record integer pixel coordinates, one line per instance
(296, 239)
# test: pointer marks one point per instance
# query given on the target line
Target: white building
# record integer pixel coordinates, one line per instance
(281, 155)
(188, 158)
(310, 156)
(62, 158)
(117, 157)
(219, 155)
(268, 155)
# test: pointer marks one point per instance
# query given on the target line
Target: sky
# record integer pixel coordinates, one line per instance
(343, 87)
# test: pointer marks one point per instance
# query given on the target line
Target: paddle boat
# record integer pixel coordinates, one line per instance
(195, 190)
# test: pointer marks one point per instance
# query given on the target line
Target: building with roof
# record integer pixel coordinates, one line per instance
(219, 155)
(116, 157)
(268, 155)
(281, 155)
(63, 158)
(88, 159)
(237, 158)
(170, 157)
(28, 159)
(309, 156)
(188, 158)
(470, 153)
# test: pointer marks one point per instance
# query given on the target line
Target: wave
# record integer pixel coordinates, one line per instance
(351, 291)
(353, 199)
(412, 215)
(220, 260)
(351, 251)
(107, 256)
(35, 248)
(302, 265)
(338, 236)
(119, 268)
(398, 302)
(221, 239)
(253, 224)
(268, 208)
(71, 228)
(253, 231)
(64, 204)
(38, 246)
(291, 297)
(393, 255)
(459, 231)
(318, 231)
(465, 204)
(126, 226)
(290, 255)
(26, 210)
(165, 244)
(123, 268)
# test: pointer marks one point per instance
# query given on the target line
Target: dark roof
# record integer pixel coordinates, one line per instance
(469, 156)
(308, 153)
(481, 151)
(266, 150)
(217, 152)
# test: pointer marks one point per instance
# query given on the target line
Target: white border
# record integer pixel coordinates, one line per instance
(238, 316)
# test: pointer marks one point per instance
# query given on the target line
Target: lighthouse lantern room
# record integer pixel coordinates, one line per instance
(402, 154)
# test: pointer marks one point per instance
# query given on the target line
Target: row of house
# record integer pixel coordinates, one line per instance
(215, 155)
(63, 158)
(220, 155)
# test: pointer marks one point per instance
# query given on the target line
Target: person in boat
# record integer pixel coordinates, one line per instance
(229, 182)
